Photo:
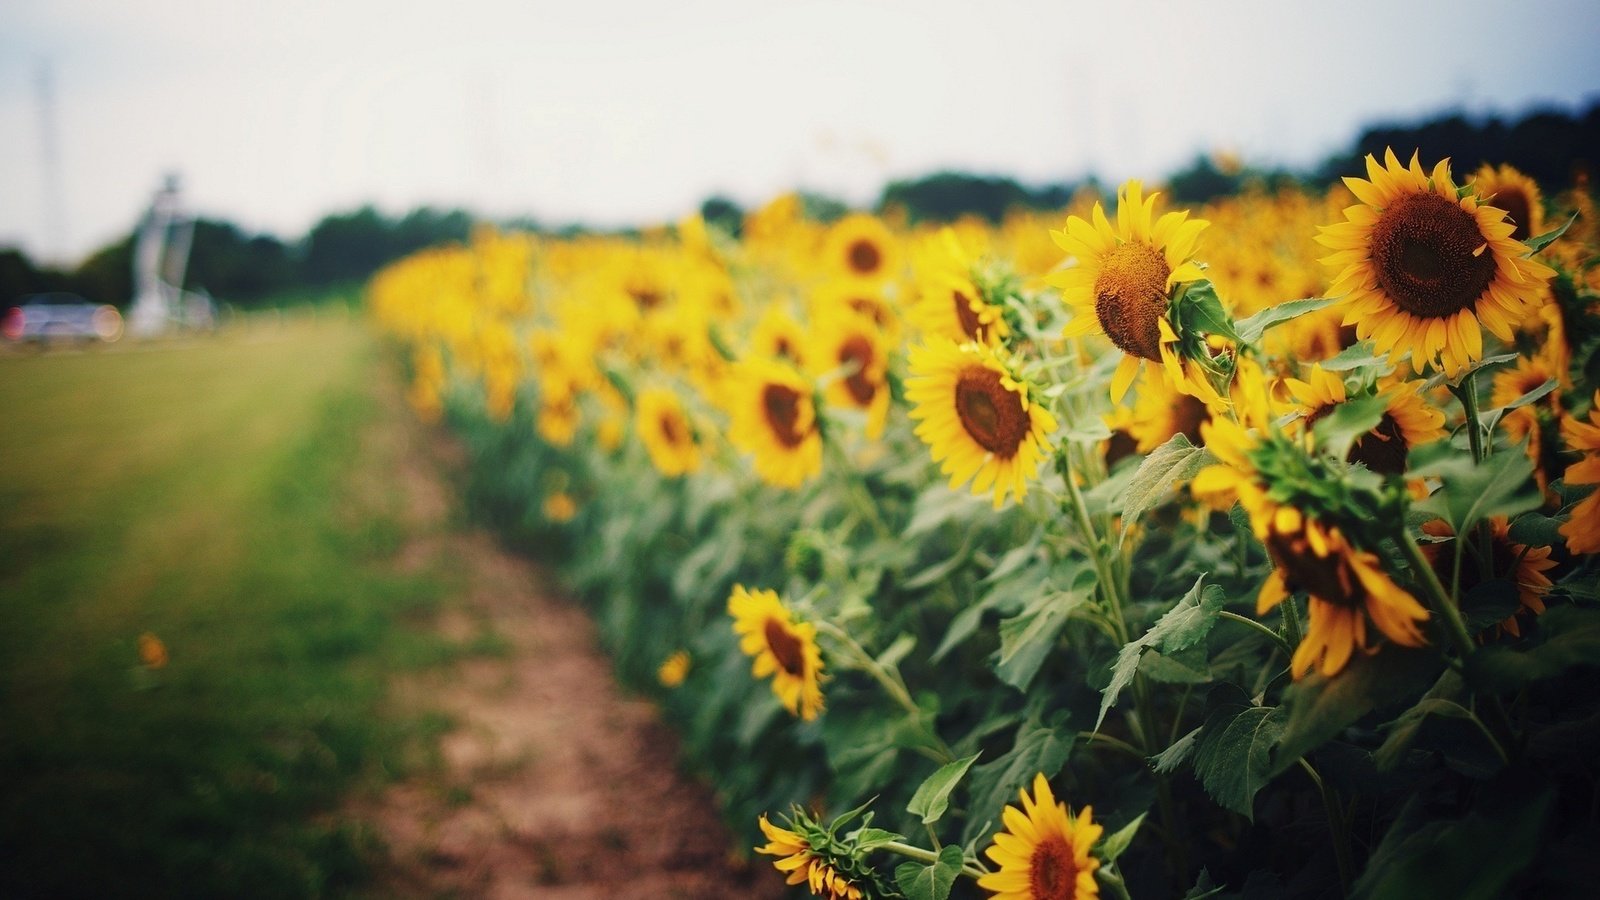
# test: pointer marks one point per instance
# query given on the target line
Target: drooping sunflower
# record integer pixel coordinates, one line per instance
(978, 418)
(781, 647)
(1121, 285)
(949, 304)
(775, 420)
(1347, 585)
(803, 865)
(668, 435)
(1043, 853)
(1408, 421)
(861, 246)
(1508, 189)
(853, 342)
(1423, 268)
(1523, 566)
(1582, 530)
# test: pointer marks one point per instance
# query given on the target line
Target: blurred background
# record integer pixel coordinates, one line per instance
(314, 141)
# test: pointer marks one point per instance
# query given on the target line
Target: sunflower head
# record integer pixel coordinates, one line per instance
(1517, 194)
(950, 302)
(1408, 420)
(663, 426)
(780, 647)
(822, 856)
(1423, 264)
(850, 353)
(774, 418)
(861, 246)
(1043, 852)
(978, 417)
(1522, 566)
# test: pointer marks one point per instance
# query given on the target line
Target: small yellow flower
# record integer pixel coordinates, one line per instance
(152, 651)
(674, 669)
(560, 507)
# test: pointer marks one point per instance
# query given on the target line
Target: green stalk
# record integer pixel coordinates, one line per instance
(1246, 620)
(892, 684)
(1336, 825)
(928, 856)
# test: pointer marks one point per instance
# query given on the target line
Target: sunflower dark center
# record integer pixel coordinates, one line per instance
(782, 406)
(1519, 209)
(645, 298)
(672, 428)
(857, 351)
(864, 257)
(1188, 414)
(785, 349)
(1324, 577)
(992, 415)
(1384, 449)
(971, 325)
(1052, 870)
(786, 648)
(1130, 297)
(870, 308)
(1430, 256)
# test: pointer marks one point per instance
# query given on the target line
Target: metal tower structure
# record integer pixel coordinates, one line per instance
(160, 258)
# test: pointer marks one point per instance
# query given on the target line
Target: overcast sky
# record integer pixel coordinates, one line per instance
(276, 113)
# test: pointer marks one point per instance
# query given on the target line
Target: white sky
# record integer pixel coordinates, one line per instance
(278, 112)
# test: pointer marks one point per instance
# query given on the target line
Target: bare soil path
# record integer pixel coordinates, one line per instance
(552, 783)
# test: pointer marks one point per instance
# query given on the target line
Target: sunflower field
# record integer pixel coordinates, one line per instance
(1130, 551)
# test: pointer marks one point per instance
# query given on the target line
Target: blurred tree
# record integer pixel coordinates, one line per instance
(720, 212)
(106, 276)
(945, 196)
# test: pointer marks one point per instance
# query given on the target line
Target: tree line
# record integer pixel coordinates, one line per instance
(1555, 147)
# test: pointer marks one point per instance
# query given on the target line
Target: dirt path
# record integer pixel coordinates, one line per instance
(553, 784)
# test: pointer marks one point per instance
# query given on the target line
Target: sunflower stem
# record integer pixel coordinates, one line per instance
(1467, 393)
(1246, 620)
(1112, 879)
(1336, 825)
(928, 856)
(893, 685)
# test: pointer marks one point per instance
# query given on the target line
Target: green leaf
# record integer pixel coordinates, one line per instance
(1039, 748)
(1501, 485)
(1405, 730)
(1027, 638)
(1114, 845)
(1532, 396)
(1172, 757)
(1252, 328)
(1339, 430)
(1201, 310)
(1320, 707)
(1180, 627)
(866, 840)
(940, 504)
(1535, 244)
(1233, 758)
(933, 795)
(930, 882)
(1570, 637)
(1171, 463)
(1537, 530)
(1489, 603)
(1473, 858)
(1356, 356)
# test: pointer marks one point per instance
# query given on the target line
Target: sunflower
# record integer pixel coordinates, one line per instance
(664, 427)
(1523, 423)
(949, 304)
(1043, 853)
(1423, 268)
(559, 414)
(779, 336)
(775, 420)
(1159, 412)
(860, 246)
(803, 865)
(1515, 193)
(978, 418)
(858, 298)
(1347, 585)
(785, 649)
(560, 507)
(1408, 421)
(852, 346)
(1121, 285)
(1522, 565)
(1582, 530)
(674, 669)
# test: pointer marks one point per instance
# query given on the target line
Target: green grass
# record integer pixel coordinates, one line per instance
(218, 493)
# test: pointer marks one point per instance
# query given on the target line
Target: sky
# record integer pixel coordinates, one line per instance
(610, 113)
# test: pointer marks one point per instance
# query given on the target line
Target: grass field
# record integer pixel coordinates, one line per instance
(206, 491)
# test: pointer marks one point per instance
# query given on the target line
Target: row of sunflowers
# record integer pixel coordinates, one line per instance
(1240, 551)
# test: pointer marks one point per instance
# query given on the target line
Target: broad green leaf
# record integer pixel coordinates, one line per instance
(1403, 733)
(1201, 309)
(1473, 858)
(1320, 707)
(1338, 431)
(1570, 637)
(897, 651)
(933, 795)
(1356, 356)
(930, 882)
(1233, 758)
(1501, 485)
(1027, 638)
(1039, 748)
(1539, 242)
(1114, 845)
(1532, 396)
(1489, 603)
(1172, 757)
(1171, 463)
(1537, 530)
(1180, 627)
(940, 504)
(1252, 328)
